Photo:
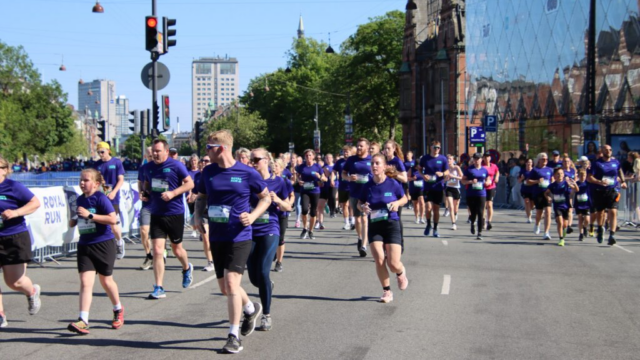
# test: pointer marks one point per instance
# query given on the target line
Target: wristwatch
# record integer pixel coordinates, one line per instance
(90, 217)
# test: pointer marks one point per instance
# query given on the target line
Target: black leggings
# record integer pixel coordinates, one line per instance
(284, 223)
(476, 206)
(310, 200)
(332, 200)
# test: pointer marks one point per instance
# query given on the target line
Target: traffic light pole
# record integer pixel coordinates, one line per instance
(154, 73)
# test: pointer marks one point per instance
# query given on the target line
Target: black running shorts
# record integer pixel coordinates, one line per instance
(387, 231)
(99, 257)
(605, 199)
(541, 201)
(453, 192)
(15, 249)
(434, 196)
(491, 194)
(171, 226)
(230, 256)
(343, 196)
(564, 213)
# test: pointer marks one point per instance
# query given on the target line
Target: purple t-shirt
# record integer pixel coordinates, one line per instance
(560, 194)
(141, 179)
(378, 196)
(167, 176)
(606, 171)
(430, 165)
(327, 184)
(110, 171)
(398, 164)
(13, 195)
(308, 175)
(355, 165)
(269, 222)
(477, 189)
(91, 232)
(583, 200)
(228, 194)
(543, 174)
(525, 189)
(288, 190)
(342, 185)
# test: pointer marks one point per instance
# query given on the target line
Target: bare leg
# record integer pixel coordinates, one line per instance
(236, 296)
(144, 238)
(158, 260)
(181, 254)
(87, 279)
(381, 268)
(111, 288)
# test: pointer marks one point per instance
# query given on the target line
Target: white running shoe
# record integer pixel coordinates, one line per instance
(454, 227)
(528, 220)
(546, 236)
(317, 226)
(446, 212)
(536, 229)
(194, 234)
(423, 221)
(417, 221)
(346, 227)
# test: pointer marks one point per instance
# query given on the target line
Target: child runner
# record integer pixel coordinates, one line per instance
(583, 203)
(559, 192)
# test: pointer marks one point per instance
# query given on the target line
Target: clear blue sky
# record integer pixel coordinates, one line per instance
(111, 45)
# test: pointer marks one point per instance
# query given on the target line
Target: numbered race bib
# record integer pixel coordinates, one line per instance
(158, 185)
(309, 186)
(418, 183)
(362, 179)
(543, 183)
(452, 182)
(219, 214)
(609, 180)
(583, 197)
(432, 178)
(379, 215)
(264, 218)
(559, 198)
(86, 226)
(477, 186)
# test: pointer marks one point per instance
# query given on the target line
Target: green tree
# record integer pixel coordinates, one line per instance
(186, 149)
(131, 148)
(248, 128)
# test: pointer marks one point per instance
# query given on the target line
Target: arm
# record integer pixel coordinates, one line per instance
(282, 204)
(28, 208)
(110, 219)
(402, 177)
(263, 204)
(496, 178)
(187, 184)
(116, 188)
(200, 206)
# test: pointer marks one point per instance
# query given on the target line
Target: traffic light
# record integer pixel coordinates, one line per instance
(167, 33)
(135, 121)
(144, 122)
(166, 119)
(156, 116)
(151, 33)
(102, 128)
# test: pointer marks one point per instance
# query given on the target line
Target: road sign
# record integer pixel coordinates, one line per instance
(490, 123)
(162, 77)
(292, 147)
(348, 129)
(476, 134)
(316, 141)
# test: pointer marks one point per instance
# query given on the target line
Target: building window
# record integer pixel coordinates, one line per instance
(203, 68)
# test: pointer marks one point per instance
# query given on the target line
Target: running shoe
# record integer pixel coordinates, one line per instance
(473, 228)
(612, 240)
(297, 224)
(489, 227)
(353, 226)
(321, 226)
(187, 276)
(363, 251)
(311, 236)
(546, 236)
(303, 234)
(456, 217)
(3, 321)
(209, 266)
(454, 227)
(118, 319)
(435, 233)
(417, 221)
(165, 254)
(581, 237)
(600, 236)
(79, 327)
(387, 297)
(233, 345)
(249, 321)
(34, 300)
(317, 226)
(359, 244)
(446, 212)
(468, 220)
(592, 233)
(332, 216)
(158, 293)
(569, 230)
(265, 323)
(120, 250)
(278, 267)
(403, 282)
(479, 237)
(528, 220)
(194, 234)
(536, 229)
(146, 264)
(427, 230)
(561, 242)
(346, 226)
(423, 221)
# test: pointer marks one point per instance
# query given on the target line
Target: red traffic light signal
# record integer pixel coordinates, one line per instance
(166, 113)
(151, 33)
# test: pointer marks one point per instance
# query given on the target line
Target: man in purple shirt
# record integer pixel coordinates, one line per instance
(357, 171)
(113, 174)
(433, 169)
(225, 189)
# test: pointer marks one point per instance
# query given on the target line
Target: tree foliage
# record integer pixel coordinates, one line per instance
(366, 70)
(132, 149)
(248, 128)
(34, 117)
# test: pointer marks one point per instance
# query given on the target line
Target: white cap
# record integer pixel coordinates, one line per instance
(583, 158)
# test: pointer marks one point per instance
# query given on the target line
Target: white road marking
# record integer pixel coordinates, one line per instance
(445, 242)
(209, 279)
(621, 248)
(446, 285)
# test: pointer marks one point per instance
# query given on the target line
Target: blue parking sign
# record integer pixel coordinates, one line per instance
(476, 134)
(491, 123)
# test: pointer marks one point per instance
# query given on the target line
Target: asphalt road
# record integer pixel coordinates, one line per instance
(510, 296)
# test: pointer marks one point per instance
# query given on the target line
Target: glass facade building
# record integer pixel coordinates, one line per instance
(526, 62)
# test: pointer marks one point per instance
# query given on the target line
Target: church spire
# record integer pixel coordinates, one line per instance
(300, 29)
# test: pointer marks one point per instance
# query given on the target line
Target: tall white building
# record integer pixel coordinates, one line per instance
(99, 99)
(122, 114)
(216, 81)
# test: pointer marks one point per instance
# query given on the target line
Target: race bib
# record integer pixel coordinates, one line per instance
(263, 219)
(543, 183)
(452, 182)
(309, 186)
(559, 198)
(477, 186)
(432, 179)
(158, 185)
(86, 226)
(583, 197)
(219, 214)
(362, 179)
(379, 215)
(609, 180)
(418, 183)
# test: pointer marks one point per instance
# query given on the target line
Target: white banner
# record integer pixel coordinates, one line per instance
(49, 225)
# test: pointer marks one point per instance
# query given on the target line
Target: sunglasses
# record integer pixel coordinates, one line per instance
(436, 147)
(101, 152)
(213, 146)
(205, 161)
(4, 167)
(256, 160)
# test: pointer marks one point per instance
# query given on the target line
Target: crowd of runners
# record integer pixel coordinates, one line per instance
(241, 202)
